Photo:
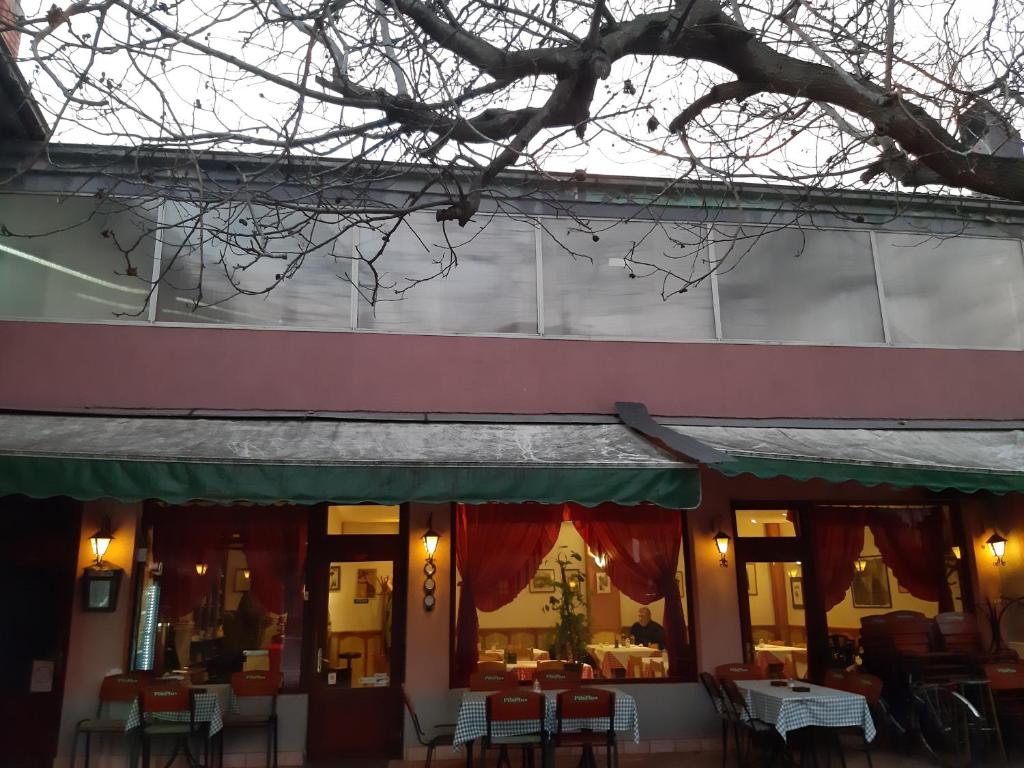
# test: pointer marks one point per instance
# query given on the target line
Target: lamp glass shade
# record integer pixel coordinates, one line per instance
(956, 552)
(430, 540)
(100, 542)
(201, 568)
(722, 542)
(600, 559)
(997, 544)
(860, 564)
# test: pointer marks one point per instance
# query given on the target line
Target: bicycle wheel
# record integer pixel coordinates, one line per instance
(944, 721)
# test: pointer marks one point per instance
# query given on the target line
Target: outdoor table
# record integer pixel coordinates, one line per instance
(472, 720)
(209, 705)
(788, 710)
(525, 670)
(609, 657)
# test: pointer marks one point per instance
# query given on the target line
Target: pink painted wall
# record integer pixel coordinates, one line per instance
(73, 366)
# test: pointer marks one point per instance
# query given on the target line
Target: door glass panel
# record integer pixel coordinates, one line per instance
(357, 647)
(362, 520)
(778, 627)
(765, 523)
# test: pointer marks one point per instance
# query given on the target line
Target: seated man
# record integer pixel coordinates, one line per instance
(647, 632)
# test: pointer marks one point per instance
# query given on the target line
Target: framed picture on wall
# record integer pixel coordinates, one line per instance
(366, 583)
(796, 592)
(543, 581)
(751, 578)
(602, 584)
(870, 588)
(681, 585)
(335, 579)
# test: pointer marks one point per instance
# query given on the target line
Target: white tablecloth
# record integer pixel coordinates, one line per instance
(788, 710)
(608, 657)
(472, 720)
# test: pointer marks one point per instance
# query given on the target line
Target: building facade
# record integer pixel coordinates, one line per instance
(554, 409)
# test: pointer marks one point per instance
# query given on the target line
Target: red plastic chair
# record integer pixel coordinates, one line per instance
(587, 704)
(490, 666)
(522, 712)
(493, 681)
(255, 695)
(117, 694)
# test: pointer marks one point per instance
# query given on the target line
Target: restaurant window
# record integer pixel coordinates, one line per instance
(885, 559)
(75, 258)
(793, 284)
(362, 520)
(449, 279)
(222, 591)
(623, 279)
(600, 589)
(246, 264)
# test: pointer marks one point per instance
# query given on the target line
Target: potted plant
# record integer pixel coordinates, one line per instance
(571, 630)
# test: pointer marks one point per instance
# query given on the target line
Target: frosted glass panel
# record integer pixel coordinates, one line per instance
(614, 286)
(71, 258)
(797, 285)
(960, 291)
(477, 279)
(226, 258)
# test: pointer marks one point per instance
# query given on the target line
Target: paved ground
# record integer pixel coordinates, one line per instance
(854, 759)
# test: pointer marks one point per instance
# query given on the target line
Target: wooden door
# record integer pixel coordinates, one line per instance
(356, 658)
(39, 550)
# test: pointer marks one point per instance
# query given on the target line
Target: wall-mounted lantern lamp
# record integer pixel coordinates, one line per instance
(795, 570)
(201, 569)
(100, 582)
(997, 544)
(600, 558)
(430, 541)
(722, 545)
(100, 543)
(956, 553)
(860, 565)
(246, 574)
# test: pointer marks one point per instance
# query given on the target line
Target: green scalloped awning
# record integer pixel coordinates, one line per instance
(265, 460)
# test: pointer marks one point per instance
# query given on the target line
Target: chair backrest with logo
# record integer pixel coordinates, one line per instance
(835, 678)
(492, 681)
(908, 631)
(256, 691)
(585, 704)
(557, 679)
(547, 664)
(118, 693)
(490, 666)
(738, 671)
(165, 698)
(525, 708)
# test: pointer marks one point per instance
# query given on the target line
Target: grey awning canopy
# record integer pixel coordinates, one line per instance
(967, 460)
(308, 461)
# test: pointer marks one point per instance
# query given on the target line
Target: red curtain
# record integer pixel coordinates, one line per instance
(183, 537)
(838, 540)
(642, 544)
(275, 548)
(498, 549)
(911, 543)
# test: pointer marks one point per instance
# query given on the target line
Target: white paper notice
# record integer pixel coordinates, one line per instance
(42, 676)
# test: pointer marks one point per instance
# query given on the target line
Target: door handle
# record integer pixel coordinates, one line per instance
(319, 660)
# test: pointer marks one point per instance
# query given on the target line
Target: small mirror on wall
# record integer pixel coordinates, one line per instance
(100, 587)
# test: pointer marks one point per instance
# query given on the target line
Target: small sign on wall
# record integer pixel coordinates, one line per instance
(42, 676)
